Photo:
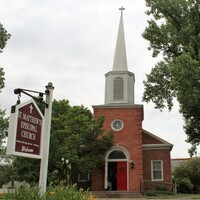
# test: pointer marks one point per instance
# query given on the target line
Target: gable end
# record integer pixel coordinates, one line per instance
(151, 141)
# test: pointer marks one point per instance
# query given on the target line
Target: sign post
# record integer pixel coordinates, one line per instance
(46, 140)
(29, 131)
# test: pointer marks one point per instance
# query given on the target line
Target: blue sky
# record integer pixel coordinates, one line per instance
(71, 44)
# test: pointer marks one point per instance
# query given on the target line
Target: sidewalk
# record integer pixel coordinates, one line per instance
(144, 198)
(122, 198)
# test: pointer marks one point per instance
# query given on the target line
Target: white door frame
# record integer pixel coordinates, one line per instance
(116, 160)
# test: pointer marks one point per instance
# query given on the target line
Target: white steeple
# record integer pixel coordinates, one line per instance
(119, 87)
(120, 60)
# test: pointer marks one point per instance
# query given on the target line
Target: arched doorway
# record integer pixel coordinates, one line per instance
(116, 170)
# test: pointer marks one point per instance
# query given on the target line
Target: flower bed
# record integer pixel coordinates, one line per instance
(53, 193)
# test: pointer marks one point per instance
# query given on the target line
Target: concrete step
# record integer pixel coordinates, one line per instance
(116, 194)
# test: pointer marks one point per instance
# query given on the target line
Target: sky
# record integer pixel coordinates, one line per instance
(72, 44)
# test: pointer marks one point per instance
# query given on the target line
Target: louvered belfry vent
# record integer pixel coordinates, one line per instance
(118, 89)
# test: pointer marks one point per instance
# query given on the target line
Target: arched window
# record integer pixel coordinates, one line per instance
(117, 154)
(118, 89)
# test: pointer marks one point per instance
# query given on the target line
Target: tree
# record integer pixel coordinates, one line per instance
(187, 176)
(4, 36)
(2, 79)
(4, 160)
(75, 136)
(3, 131)
(6, 171)
(26, 169)
(174, 31)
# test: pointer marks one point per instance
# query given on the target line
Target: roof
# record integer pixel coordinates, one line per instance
(120, 59)
(176, 162)
(152, 142)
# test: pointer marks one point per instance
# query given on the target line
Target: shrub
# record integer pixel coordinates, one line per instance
(23, 194)
(150, 193)
(161, 188)
(53, 193)
(187, 175)
(70, 193)
(184, 185)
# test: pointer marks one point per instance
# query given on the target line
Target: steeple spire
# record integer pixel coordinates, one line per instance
(120, 60)
(119, 88)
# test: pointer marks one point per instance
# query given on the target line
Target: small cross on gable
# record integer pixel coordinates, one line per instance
(31, 108)
(122, 8)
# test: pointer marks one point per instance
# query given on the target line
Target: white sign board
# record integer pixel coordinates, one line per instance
(25, 130)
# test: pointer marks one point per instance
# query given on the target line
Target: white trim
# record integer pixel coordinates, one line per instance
(119, 148)
(116, 160)
(112, 126)
(106, 175)
(155, 146)
(12, 132)
(152, 178)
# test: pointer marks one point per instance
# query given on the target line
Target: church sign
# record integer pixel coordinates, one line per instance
(25, 130)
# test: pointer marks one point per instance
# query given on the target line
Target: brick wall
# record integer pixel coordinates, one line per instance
(97, 179)
(130, 137)
(161, 154)
(147, 139)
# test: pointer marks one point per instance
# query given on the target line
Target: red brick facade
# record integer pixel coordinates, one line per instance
(164, 155)
(155, 148)
(141, 147)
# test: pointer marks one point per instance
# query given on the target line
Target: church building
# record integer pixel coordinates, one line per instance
(138, 160)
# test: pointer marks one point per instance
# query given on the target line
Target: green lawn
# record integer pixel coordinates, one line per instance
(193, 196)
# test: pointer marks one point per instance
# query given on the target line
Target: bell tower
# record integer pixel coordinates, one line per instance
(119, 86)
(124, 119)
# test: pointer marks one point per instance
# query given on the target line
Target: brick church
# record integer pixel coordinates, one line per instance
(138, 159)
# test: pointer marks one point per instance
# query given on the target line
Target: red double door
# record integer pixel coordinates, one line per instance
(117, 175)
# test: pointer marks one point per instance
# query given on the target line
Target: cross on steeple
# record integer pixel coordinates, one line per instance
(122, 8)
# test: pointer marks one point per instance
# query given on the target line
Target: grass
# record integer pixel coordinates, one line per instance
(52, 193)
(193, 196)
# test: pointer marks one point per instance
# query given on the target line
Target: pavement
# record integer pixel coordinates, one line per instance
(122, 198)
(144, 198)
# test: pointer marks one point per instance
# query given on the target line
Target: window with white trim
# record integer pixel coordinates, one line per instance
(157, 170)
